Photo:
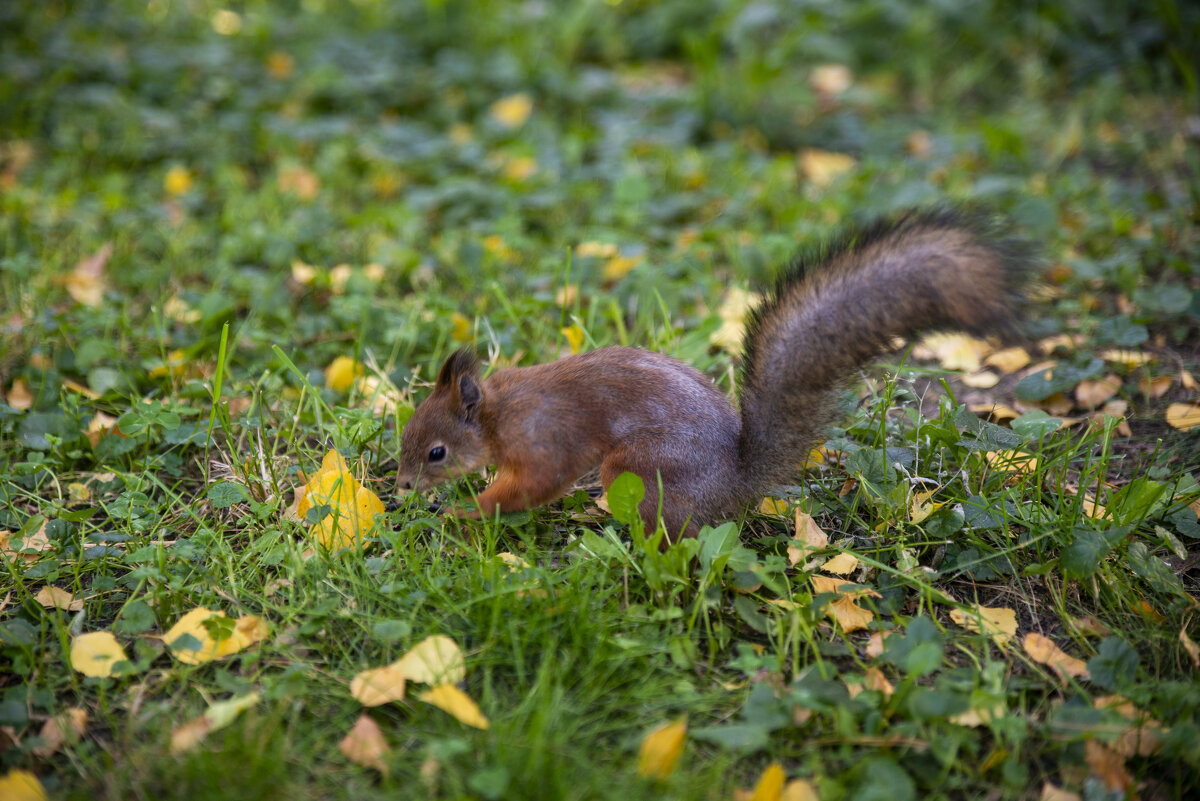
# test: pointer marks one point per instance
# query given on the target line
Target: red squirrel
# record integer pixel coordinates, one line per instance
(625, 409)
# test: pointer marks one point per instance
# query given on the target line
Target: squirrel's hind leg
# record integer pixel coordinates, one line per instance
(677, 503)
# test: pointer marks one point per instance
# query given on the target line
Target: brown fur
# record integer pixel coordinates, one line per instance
(625, 409)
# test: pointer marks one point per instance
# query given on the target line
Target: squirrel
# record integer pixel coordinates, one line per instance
(626, 409)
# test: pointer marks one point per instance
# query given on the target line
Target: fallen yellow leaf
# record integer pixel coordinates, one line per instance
(821, 168)
(1190, 647)
(954, 351)
(461, 332)
(1183, 416)
(1155, 387)
(365, 744)
(434, 660)
(246, 631)
(773, 506)
(378, 686)
(280, 65)
(1052, 792)
(574, 336)
(57, 598)
(177, 181)
(830, 79)
(999, 623)
(809, 537)
(1043, 650)
(1108, 766)
(21, 785)
(619, 266)
(455, 702)
(1008, 360)
(341, 372)
(218, 715)
(19, 396)
(512, 111)
(984, 379)
(800, 790)
(1092, 393)
(299, 181)
(734, 310)
(95, 653)
(303, 274)
(86, 283)
(843, 610)
(60, 730)
(660, 750)
(1129, 358)
(770, 784)
(841, 565)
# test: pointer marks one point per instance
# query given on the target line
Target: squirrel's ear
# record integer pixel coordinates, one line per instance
(461, 362)
(469, 395)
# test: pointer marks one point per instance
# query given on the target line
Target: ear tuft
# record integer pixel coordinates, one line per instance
(462, 362)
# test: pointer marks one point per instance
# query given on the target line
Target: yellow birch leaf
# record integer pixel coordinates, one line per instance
(60, 730)
(1156, 387)
(1183, 416)
(461, 332)
(875, 643)
(19, 396)
(955, 351)
(999, 623)
(770, 784)
(1108, 766)
(1091, 393)
(520, 169)
(512, 111)
(1012, 460)
(800, 790)
(809, 537)
(247, 630)
(95, 653)
(177, 181)
(21, 785)
(1008, 360)
(341, 372)
(434, 660)
(1043, 650)
(596, 250)
(1090, 626)
(574, 336)
(57, 598)
(85, 391)
(101, 425)
(1129, 358)
(378, 686)
(303, 274)
(821, 168)
(31, 545)
(218, 715)
(455, 702)
(1188, 381)
(841, 565)
(830, 79)
(660, 750)
(843, 610)
(86, 283)
(773, 506)
(78, 493)
(920, 507)
(366, 745)
(174, 365)
(984, 379)
(339, 276)
(619, 266)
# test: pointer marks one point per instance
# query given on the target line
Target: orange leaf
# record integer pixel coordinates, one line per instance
(660, 750)
(1044, 650)
(365, 744)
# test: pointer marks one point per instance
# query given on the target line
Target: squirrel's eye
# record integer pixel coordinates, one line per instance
(437, 454)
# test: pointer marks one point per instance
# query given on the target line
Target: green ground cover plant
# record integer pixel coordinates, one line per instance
(237, 240)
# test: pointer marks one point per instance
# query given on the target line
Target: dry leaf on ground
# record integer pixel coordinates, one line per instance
(998, 622)
(434, 660)
(365, 744)
(21, 785)
(455, 702)
(1043, 650)
(58, 598)
(848, 614)
(217, 716)
(378, 686)
(809, 537)
(1183, 416)
(60, 730)
(660, 750)
(95, 653)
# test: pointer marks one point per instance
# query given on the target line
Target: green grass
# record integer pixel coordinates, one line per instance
(363, 134)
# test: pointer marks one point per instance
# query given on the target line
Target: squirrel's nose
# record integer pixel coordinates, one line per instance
(406, 485)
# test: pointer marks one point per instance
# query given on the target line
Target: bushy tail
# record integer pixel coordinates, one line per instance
(845, 303)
